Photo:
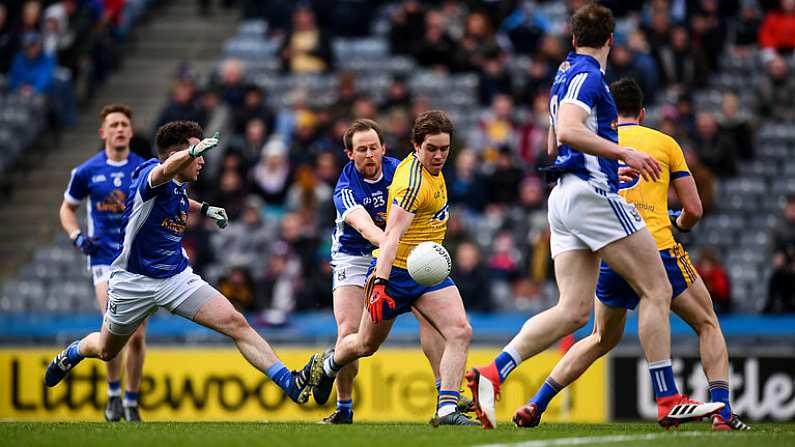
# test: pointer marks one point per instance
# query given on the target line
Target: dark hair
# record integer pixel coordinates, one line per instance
(176, 133)
(361, 125)
(628, 97)
(592, 25)
(431, 122)
(115, 108)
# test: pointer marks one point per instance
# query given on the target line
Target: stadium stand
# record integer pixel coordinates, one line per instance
(497, 99)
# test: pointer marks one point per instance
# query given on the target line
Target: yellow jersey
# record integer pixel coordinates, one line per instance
(423, 194)
(651, 197)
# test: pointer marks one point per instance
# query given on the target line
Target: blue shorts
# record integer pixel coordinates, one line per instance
(614, 291)
(404, 290)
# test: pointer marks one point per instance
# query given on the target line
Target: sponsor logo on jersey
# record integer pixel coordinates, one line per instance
(113, 202)
(176, 225)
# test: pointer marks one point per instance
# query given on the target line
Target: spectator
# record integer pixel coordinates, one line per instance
(398, 95)
(197, 242)
(397, 130)
(231, 193)
(465, 185)
(527, 296)
(181, 105)
(682, 66)
(230, 83)
(306, 48)
(494, 78)
(777, 33)
(9, 40)
(503, 182)
(471, 279)
(496, 128)
(736, 126)
(272, 176)
(346, 95)
(524, 28)
(505, 257)
(249, 238)
(624, 63)
(254, 139)
(537, 80)
(781, 290)
(32, 71)
(716, 150)
(709, 31)
(437, 49)
(277, 290)
(774, 96)
(307, 192)
(407, 25)
(364, 107)
(478, 42)
(716, 280)
(254, 107)
(746, 27)
(236, 285)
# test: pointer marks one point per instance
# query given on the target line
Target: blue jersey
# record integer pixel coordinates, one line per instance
(105, 183)
(154, 224)
(580, 81)
(353, 191)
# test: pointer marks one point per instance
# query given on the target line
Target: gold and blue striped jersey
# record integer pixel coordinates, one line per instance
(419, 192)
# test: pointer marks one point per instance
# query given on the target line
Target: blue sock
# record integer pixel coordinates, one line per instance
(131, 398)
(448, 399)
(719, 392)
(114, 388)
(345, 405)
(506, 362)
(545, 394)
(281, 376)
(73, 353)
(438, 385)
(662, 379)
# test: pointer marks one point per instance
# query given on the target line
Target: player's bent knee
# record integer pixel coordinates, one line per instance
(461, 332)
(234, 324)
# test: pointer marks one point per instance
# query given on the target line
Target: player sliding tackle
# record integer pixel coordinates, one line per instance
(151, 270)
(589, 221)
(360, 199)
(691, 300)
(416, 212)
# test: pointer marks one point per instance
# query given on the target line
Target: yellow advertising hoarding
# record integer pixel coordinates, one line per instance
(203, 384)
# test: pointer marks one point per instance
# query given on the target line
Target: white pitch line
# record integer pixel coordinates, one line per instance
(586, 440)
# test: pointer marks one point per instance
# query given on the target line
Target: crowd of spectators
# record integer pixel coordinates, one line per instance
(280, 166)
(62, 49)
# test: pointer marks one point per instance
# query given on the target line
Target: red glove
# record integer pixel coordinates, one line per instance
(377, 297)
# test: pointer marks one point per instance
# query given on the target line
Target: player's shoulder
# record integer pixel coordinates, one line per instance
(347, 175)
(93, 163)
(408, 170)
(145, 167)
(661, 137)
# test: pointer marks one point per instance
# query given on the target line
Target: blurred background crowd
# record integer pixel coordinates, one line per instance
(716, 75)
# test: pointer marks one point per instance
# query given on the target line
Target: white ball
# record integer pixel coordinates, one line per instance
(429, 263)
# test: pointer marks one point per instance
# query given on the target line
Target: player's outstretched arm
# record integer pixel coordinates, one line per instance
(397, 223)
(571, 130)
(363, 223)
(179, 160)
(686, 190)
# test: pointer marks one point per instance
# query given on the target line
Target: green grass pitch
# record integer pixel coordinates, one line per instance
(199, 434)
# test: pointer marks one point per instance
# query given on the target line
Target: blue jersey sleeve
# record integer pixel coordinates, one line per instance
(584, 90)
(78, 186)
(146, 190)
(345, 200)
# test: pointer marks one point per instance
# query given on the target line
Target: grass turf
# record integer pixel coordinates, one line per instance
(198, 434)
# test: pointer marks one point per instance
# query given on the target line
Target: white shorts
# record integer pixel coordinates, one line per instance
(133, 297)
(585, 217)
(100, 273)
(349, 270)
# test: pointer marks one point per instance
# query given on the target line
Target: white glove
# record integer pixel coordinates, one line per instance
(215, 212)
(197, 150)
